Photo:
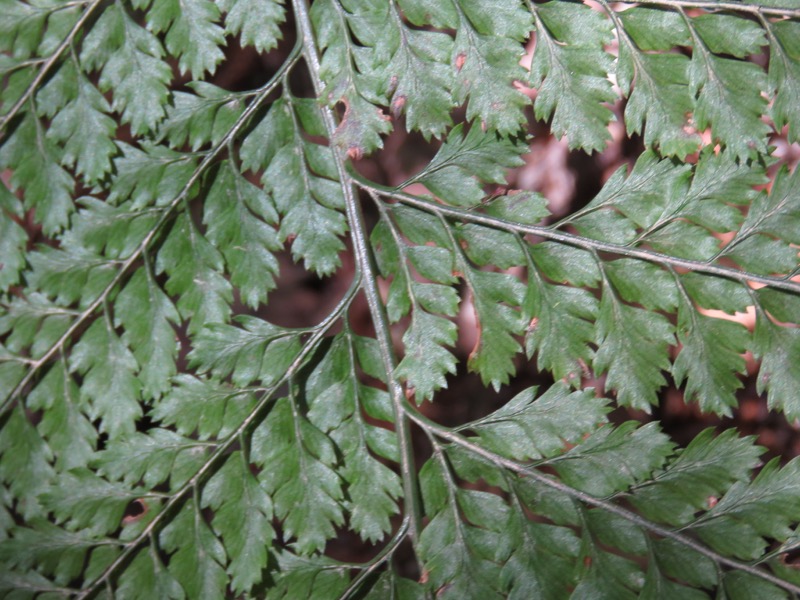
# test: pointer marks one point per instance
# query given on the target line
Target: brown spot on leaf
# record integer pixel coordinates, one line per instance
(478, 331)
(354, 153)
(398, 104)
(711, 501)
(135, 511)
(534, 322)
(791, 559)
(585, 368)
(461, 58)
(443, 590)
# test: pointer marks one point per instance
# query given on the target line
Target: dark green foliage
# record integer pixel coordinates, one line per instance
(162, 438)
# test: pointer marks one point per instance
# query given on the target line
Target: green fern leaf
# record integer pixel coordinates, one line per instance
(197, 558)
(34, 161)
(205, 295)
(661, 97)
(242, 519)
(12, 239)
(569, 69)
(147, 578)
(305, 490)
(65, 426)
(202, 407)
(308, 578)
(783, 74)
(257, 25)
(670, 498)
(259, 352)
(110, 387)
(129, 59)
(201, 117)
(25, 463)
(534, 428)
(459, 555)
(60, 553)
(146, 313)
(153, 458)
(713, 380)
(82, 125)
(373, 488)
(465, 161)
(192, 32)
(633, 351)
(238, 215)
(179, 175)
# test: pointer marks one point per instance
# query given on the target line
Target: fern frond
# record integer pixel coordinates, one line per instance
(166, 433)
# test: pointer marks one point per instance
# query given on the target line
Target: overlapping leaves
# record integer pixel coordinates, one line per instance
(162, 438)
